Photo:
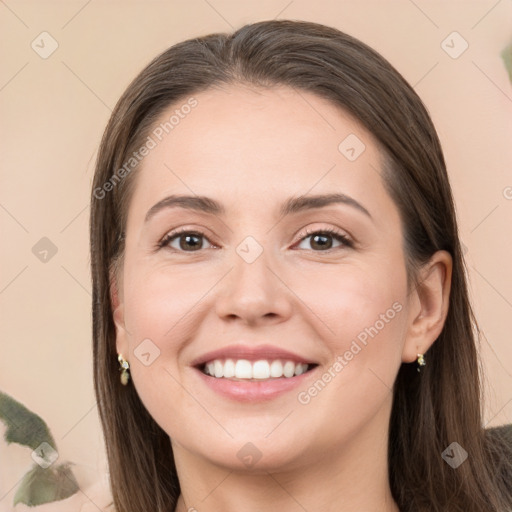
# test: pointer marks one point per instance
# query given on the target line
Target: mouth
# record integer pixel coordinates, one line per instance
(260, 370)
(253, 373)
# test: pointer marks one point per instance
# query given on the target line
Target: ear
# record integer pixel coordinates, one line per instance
(429, 303)
(117, 302)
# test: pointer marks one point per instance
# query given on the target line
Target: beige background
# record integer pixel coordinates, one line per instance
(54, 110)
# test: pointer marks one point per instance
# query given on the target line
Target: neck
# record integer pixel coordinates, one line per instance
(275, 493)
(350, 479)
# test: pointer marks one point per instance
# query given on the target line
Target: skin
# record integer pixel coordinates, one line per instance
(251, 149)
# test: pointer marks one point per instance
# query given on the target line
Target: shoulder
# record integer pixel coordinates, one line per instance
(498, 445)
(498, 442)
(500, 435)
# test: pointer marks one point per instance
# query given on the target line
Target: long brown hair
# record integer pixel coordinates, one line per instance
(431, 409)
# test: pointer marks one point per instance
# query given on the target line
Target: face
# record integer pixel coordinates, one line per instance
(315, 292)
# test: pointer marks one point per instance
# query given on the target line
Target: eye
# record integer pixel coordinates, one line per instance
(192, 241)
(188, 241)
(323, 239)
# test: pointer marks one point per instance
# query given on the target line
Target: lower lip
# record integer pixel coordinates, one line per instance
(254, 391)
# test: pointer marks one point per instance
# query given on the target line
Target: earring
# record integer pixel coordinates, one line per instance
(125, 367)
(420, 361)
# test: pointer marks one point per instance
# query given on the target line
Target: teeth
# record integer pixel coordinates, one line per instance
(276, 369)
(289, 369)
(229, 369)
(218, 368)
(243, 369)
(260, 370)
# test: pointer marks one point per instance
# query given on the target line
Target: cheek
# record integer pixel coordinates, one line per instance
(368, 320)
(160, 302)
(365, 311)
(156, 333)
(371, 320)
(161, 313)
(357, 303)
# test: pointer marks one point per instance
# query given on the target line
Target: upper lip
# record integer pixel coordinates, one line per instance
(251, 353)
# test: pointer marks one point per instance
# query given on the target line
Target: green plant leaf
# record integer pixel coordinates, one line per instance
(23, 426)
(506, 55)
(41, 486)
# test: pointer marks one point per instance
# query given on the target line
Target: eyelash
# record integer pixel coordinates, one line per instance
(328, 231)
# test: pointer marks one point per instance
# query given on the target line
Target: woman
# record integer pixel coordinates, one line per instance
(277, 274)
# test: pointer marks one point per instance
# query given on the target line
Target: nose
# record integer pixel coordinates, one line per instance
(254, 292)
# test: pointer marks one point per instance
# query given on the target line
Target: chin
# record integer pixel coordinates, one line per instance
(249, 450)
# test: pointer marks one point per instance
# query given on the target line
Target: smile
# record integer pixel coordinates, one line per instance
(243, 369)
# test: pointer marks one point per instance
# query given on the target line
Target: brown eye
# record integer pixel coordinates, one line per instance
(322, 240)
(188, 241)
(192, 240)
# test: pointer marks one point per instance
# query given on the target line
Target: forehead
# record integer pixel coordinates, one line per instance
(239, 140)
(279, 118)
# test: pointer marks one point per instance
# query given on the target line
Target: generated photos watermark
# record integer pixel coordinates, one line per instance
(305, 397)
(151, 143)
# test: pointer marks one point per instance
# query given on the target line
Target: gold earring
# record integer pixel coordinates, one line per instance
(420, 361)
(125, 367)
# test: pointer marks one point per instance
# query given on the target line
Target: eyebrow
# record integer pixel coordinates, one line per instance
(290, 206)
